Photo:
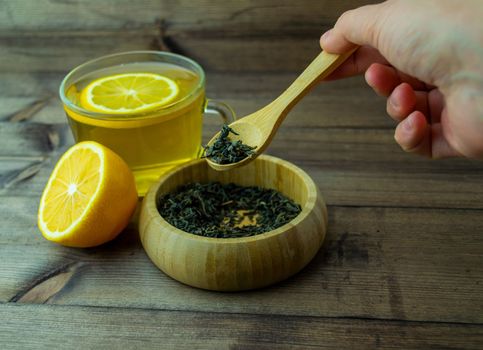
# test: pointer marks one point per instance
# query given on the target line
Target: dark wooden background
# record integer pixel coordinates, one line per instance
(402, 265)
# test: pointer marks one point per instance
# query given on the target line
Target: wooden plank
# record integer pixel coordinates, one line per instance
(133, 328)
(393, 188)
(59, 52)
(33, 86)
(13, 105)
(349, 184)
(266, 54)
(25, 15)
(31, 326)
(391, 263)
(254, 15)
(255, 32)
(54, 52)
(62, 35)
(12, 177)
(32, 139)
(342, 147)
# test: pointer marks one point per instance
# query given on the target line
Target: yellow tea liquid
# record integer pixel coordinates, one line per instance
(155, 141)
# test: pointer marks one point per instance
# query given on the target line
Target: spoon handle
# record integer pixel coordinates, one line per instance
(324, 64)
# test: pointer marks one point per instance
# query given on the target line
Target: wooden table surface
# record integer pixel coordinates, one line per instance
(401, 266)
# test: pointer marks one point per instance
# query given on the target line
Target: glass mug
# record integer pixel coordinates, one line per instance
(154, 141)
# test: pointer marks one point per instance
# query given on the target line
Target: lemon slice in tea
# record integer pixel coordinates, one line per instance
(128, 93)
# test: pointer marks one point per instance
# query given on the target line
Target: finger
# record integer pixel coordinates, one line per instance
(436, 104)
(422, 104)
(404, 100)
(357, 63)
(430, 104)
(333, 42)
(401, 102)
(359, 26)
(383, 79)
(414, 134)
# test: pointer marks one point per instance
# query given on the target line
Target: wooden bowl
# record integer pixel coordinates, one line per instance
(234, 264)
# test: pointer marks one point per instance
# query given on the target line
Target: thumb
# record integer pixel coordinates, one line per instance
(360, 26)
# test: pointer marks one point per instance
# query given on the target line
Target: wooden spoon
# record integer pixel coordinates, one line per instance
(258, 129)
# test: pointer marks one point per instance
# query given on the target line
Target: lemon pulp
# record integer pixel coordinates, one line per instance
(89, 197)
(128, 93)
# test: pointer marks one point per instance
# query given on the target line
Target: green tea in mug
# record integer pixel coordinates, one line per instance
(149, 112)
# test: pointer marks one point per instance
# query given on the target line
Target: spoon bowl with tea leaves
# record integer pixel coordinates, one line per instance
(245, 139)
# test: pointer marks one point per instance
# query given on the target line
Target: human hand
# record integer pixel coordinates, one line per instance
(426, 58)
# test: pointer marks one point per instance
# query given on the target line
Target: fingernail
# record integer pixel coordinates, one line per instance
(407, 124)
(326, 34)
(394, 103)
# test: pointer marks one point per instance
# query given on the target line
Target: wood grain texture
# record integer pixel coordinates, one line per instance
(53, 15)
(31, 139)
(35, 37)
(60, 52)
(54, 52)
(236, 264)
(28, 326)
(388, 263)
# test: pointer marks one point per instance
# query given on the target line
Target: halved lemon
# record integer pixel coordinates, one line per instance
(128, 93)
(89, 197)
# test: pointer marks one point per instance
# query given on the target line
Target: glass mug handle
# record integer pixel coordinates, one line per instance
(221, 109)
(224, 111)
